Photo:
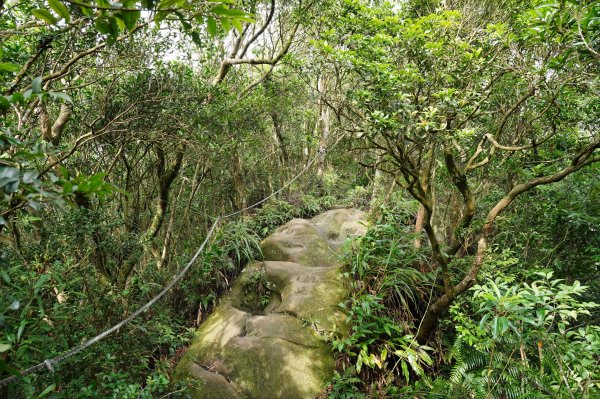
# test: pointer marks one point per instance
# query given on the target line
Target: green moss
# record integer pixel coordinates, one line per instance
(248, 351)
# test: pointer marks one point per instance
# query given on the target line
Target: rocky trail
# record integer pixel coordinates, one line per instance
(268, 338)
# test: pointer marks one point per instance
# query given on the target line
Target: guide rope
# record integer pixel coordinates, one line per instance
(49, 364)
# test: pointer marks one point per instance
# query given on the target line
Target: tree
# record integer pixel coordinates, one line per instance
(491, 102)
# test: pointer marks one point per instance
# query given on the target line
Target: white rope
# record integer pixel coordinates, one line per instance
(308, 165)
(49, 364)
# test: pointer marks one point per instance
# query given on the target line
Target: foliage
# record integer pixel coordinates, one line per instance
(126, 127)
(377, 342)
(520, 341)
(527, 339)
(386, 262)
(278, 212)
(359, 197)
(558, 232)
(345, 386)
(237, 242)
(386, 292)
(255, 290)
(112, 20)
(457, 96)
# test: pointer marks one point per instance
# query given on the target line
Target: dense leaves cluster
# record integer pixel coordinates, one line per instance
(468, 129)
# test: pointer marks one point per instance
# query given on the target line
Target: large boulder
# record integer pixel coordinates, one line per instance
(252, 349)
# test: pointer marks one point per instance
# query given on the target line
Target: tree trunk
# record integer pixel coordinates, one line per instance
(441, 305)
(238, 181)
(379, 185)
(323, 130)
(165, 176)
(283, 159)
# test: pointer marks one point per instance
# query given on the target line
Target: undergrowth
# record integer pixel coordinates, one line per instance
(512, 336)
(37, 326)
(385, 300)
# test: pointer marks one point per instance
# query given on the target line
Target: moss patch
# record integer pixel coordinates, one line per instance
(248, 350)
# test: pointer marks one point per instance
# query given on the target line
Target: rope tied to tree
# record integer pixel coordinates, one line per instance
(48, 364)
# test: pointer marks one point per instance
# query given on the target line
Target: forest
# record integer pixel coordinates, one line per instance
(150, 148)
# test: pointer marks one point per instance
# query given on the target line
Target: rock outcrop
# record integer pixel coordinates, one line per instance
(267, 339)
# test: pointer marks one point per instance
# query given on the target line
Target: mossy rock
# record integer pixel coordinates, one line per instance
(246, 350)
(298, 241)
(339, 224)
(310, 293)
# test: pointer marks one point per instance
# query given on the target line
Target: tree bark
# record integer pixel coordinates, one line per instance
(323, 129)
(279, 139)
(165, 176)
(440, 305)
(238, 182)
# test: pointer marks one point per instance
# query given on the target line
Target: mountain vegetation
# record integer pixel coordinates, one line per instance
(467, 129)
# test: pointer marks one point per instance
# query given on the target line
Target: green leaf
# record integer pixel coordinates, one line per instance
(4, 347)
(160, 16)
(503, 324)
(61, 96)
(46, 391)
(29, 176)
(227, 12)
(4, 103)
(226, 25)
(495, 328)
(21, 329)
(9, 178)
(88, 12)
(211, 26)
(45, 15)
(36, 85)
(41, 281)
(60, 9)
(130, 18)
(483, 320)
(103, 25)
(17, 97)
(237, 24)
(405, 372)
(219, 10)
(9, 66)
(109, 26)
(5, 277)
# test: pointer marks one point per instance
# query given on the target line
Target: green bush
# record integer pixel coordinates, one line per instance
(525, 340)
(377, 342)
(385, 295)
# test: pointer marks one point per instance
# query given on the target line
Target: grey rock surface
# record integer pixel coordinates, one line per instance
(246, 350)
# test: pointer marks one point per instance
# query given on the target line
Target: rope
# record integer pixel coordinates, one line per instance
(308, 165)
(49, 364)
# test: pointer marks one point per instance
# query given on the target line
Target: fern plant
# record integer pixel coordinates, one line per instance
(238, 242)
(528, 342)
(377, 342)
(386, 263)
